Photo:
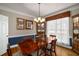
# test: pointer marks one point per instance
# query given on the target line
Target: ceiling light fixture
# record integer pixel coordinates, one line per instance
(39, 19)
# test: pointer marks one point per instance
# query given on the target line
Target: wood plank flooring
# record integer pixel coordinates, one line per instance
(61, 51)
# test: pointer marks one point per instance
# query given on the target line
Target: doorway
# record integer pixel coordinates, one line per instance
(3, 34)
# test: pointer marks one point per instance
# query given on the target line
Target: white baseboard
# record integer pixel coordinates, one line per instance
(64, 45)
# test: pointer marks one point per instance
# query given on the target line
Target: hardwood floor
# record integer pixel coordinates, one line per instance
(61, 51)
(13, 50)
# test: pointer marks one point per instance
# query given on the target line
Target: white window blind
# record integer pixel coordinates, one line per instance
(60, 28)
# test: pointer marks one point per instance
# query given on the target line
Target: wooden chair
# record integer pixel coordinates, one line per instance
(13, 51)
(41, 44)
(9, 53)
(52, 49)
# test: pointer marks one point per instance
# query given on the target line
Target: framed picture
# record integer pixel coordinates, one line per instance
(29, 24)
(20, 24)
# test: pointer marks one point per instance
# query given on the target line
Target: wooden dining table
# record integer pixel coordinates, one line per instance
(29, 47)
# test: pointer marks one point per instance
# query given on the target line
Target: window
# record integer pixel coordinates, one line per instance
(60, 28)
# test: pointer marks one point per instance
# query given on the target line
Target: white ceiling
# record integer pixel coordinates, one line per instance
(32, 8)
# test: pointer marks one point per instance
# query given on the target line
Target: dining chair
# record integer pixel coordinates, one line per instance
(51, 46)
(9, 53)
(13, 51)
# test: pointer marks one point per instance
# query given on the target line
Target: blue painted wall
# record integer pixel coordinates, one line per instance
(16, 40)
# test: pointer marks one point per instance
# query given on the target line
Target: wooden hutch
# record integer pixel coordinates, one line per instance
(41, 29)
(76, 33)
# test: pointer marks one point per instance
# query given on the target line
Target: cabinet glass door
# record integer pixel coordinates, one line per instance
(76, 27)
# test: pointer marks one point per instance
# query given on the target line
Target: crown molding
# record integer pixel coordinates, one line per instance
(73, 7)
(14, 11)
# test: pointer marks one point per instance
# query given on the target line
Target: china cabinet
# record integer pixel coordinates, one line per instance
(76, 33)
(41, 29)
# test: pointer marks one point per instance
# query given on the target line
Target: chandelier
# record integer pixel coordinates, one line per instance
(39, 19)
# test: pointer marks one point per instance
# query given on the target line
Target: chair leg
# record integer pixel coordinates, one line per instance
(9, 52)
(55, 53)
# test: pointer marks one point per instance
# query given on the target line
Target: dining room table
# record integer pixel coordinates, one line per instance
(29, 47)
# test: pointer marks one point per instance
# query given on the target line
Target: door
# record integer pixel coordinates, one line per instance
(3, 34)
